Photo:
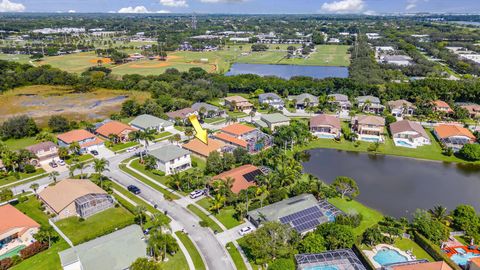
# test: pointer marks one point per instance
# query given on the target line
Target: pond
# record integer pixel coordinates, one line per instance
(288, 71)
(398, 186)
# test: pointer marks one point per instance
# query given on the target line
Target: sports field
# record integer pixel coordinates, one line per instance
(24, 59)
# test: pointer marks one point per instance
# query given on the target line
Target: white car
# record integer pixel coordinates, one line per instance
(61, 162)
(131, 149)
(245, 230)
(197, 193)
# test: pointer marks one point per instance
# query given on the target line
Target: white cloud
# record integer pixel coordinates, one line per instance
(137, 9)
(163, 11)
(223, 1)
(411, 4)
(344, 6)
(7, 6)
(174, 3)
(72, 11)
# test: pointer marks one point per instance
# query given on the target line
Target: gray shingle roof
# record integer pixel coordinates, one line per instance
(339, 97)
(363, 99)
(209, 107)
(275, 211)
(274, 118)
(115, 251)
(146, 121)
(265, 96)
(301, 98)
(169, 152)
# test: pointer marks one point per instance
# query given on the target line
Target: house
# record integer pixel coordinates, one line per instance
(340, 100)
(409, 134)
(473, 264)
(399, 60)
(442, 106)
(420, 265)
(370, 104)
(172, 159)
(202, 150)
(332, 259)
(74, 197)
(116, 128)
(239, 135)
(114, 251)
(146, 122)
(369, 128)
(206, 110)
(44, 151)
(181, 115)
(271, 99)
(325, 126)
(304, 100)
(244, 177)
(400, 108)
(85, 139)
(453, 136)
(303, 213)
(272, 121)
(16, 228)
(473, 110)
(238, 103)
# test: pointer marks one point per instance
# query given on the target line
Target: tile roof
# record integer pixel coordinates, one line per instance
(146, 121)
(209, 107)
(445, 131)
(11, 218)
(394, 104)
(237, 129)
(43, 146)
(424, 266)
(202, 149)
(475, 261)
(405, 125)
(182, 114)
(75, 136)
(371, 120)
(228, 138)
(238, 174)
(325, 120)
(67, 191)
(113, 127)
(302, 97)
(97, 141)
(441, 103)
(169, 152)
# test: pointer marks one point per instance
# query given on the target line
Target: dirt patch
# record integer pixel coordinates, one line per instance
(150, 65)
(104, 60)
(173, 57)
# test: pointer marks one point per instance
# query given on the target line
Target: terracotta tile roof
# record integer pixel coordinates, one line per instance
(45, 146)
(75, 136)
(228, 138)
(441, 103)
(113, 127)
(475, 261)
(97, 141)
(424, 266)
(325, 120)
(67, 191)
(405, 125)
(202, 149)
(237, 129)
(238, 174)
(394, 104)
(445, 131)
(11, 218)
(183, 113)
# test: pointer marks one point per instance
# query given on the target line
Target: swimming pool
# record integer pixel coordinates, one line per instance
(12, 252)
(370, 139)
(330, 215)
(326, 136)
(404, 144)
(388, 256)
(320, 267)
(462, 259)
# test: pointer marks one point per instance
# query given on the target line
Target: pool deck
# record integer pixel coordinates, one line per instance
(371, 253)
(450, 251)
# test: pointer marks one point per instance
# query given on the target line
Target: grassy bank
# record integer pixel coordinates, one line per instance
(236, 256)
(204, 217)
(192, 250)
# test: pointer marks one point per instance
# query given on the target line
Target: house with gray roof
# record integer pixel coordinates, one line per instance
(210, 110)
(409, 134)
(340, 100)
(115, 251)
(272, 99)
(146, 122)
(172, 159)
(273, 120)
(304, 100)
(370, 104)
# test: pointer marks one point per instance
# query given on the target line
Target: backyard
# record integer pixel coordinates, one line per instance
(226, 215)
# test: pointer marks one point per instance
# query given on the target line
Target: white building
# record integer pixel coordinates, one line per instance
(172, 159)
(409, 134)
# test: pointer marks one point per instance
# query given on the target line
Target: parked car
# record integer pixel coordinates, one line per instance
(245, 230)
(94, 152)
(197, 193)
(53, 164)
(61, 162)
(131, 149)
(143, 153)
(134, 189)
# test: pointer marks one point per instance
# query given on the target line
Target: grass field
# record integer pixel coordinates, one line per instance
(236, 257)
(192, 250)
(97, 225)
(225, 215)
(407, 244)
(21, 58)
(204, 217)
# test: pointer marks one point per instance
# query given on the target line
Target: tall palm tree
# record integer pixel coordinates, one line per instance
(139, 212)
(217, 203)
(176, 180)
(53, 176)
(35, 187)
(440, 213)
(159, 222)
(148, 136)
(188, 132)
(100, 166)
(81, 166)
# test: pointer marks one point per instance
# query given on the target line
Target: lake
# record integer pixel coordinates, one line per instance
(288, 71)
(398, 186)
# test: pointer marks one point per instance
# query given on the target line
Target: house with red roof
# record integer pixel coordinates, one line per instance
(85, 139)
(453, 136)
(115, 128)
(16, 229)
(239, 135)
(442, 106)
(243, 176)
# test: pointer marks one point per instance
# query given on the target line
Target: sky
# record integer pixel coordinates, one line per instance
(243, 6)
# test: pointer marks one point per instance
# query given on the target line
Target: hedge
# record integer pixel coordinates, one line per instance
(33, 249)
(365, 261)
(433, 250)
(6, 263)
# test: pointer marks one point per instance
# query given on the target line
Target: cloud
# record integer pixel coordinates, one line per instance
(174, 3)
(7, 6)
(344, 6)
(163, 11)
(223, 1)
(411, 4)
(137, 9)
(72, 11)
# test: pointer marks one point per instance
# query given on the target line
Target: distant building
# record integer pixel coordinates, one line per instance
(453, 136)
(409, 134)
(369, 128)
(44, 151)
(119, 129)
(442, 106)
(305, 100)
(399, 60)
(239, 135)
(85, 139)
(340, 100)
(420, 265)
(238, 103)
(272, 121)
(15, 226)
(370, 104)
(400, 108)
(473, 110)
(325, 126)
(146, 122)
(172, 159)
(272, 100)
(207, 110)
(114, 251)
(181, 115)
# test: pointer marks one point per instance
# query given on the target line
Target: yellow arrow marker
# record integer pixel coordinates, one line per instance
(200, 133)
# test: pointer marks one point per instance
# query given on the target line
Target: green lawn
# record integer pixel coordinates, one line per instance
(192, 250)
(162, 135)
(122, 146)
(17, 144)
(82, 158)
(212, 224)
(39, 173)
(225, 215)
(370, 216)
(97, 225)
(21, 58)
(200, 162)
(215, 120)
(407, 244)
(237, 114)
(236, 256)
(175, 262)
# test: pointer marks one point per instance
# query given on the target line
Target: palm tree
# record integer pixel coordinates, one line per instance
(241, 209)
(176, 180)
(100, 166)
(139, 212)
(35, 187)
(160, 244)
(177, 138)
(159, 222)
(217, 203)
(188, 132)
(81, 166)
(74, 147)
(114, 138)
(262, 193)
(148, 136)
(252, 114)
(440, 213)
(53, 176)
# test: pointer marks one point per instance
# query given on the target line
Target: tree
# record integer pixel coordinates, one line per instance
(74, 148)
(80, 166)
(429, 227)
(372, 236)
(160, 244)
(45, 137)
(470, 151)
(6, 194)
(62, 153)
(150, 163)
(465, 219)
(35, 187)
(346, 186)
(100, 166)
(312, 243)
(188, 132)
(18, 127)
(336, 236)
(389, 119)
(214, 163)
(440, 213)
(46, 234)
(282, 264)
(58, 123)
(53, 176)
(144, 264)
(139, 212)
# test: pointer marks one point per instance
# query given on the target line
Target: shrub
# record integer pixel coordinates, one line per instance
(33, 249)
(203, 223)
(470, 152)
(433, 250)
(282, 264)
(350, 220)
(6, 263)
(29, 168)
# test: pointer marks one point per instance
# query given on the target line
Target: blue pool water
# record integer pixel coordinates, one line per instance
(328, 267)
(462, 259)
(404, 143)
(330, 215)
(369, 139)
(389, 256)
